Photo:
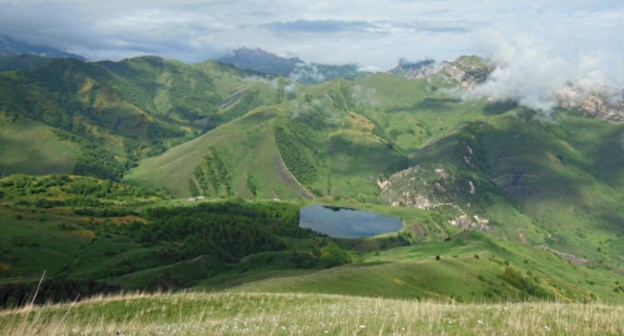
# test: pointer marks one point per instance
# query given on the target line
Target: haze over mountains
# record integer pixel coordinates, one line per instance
(12, 47)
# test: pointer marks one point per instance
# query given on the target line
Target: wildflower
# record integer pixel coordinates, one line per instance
(480, 322)
(361, 326)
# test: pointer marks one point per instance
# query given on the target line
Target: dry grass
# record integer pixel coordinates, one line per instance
(305, 314)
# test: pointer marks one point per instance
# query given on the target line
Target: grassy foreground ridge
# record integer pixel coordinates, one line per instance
(228, 313)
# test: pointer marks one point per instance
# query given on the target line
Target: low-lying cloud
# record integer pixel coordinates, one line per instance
(533, 73)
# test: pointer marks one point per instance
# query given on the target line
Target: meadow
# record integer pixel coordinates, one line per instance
(244, 313)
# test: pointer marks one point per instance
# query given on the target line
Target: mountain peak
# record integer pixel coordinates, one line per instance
(293, 67)
(413, 69)
(261, 53)
(262, 61)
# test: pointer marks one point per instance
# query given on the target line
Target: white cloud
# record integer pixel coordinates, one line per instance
(534, 73)
(193, 30)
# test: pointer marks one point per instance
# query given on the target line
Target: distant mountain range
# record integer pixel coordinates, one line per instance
(13, 47)
(261, 61)
(303, 72)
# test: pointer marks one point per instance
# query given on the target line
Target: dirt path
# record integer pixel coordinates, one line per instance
(566, 256)
(201, 191)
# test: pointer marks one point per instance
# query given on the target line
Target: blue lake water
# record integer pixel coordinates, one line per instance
(345, 222)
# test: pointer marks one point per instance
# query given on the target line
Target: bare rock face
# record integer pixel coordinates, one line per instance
(423, 188)
(594, 105)
(466, 71)
(401, 189)
(474, 223)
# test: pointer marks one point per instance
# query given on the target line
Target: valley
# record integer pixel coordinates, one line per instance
(155, 175)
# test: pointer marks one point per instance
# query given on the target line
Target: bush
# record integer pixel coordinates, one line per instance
(332, 256)
(527, 286)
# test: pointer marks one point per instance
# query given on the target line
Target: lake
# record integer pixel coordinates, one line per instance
(346, 223)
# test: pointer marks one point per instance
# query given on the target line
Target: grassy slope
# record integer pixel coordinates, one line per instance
(458, 276)
(327, 125)
(72, 245)
(249, 147)
(133, 108)
(31, 147)
(553, 180)
(56, 239)
(306, 314)
(353, 131)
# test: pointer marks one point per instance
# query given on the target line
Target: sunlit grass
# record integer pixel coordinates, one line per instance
(305, 314)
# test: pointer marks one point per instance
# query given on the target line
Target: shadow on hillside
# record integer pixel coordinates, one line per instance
(436, 104)
(608, 158)
(496, 108)
(431, 104)
(365, 158)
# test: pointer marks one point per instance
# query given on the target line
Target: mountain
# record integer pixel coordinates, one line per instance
(595, 105)
(23, 62)
(167, 175)
(261, 61)
(467, 71)
(405, 143)
(12, 47)
(112, 114)
(480, 165)
(294, 68)
(411, 69)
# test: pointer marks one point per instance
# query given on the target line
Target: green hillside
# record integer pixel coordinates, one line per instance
(120, 112)
(24, 142)
(168, 176)
(95, 235)
(544, 187)
(237, 159)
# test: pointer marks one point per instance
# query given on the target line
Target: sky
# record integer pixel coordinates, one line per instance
(370, 33)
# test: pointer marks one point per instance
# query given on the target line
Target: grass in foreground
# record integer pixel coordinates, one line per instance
(305, 314)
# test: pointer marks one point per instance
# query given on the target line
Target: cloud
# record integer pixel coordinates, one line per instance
(367, 32)
(534, 73)
(365, 96)
(369, 68)
(307, 73)
(441, 26)
(318, 26)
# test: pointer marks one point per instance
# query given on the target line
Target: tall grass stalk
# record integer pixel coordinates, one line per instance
(233, 313)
